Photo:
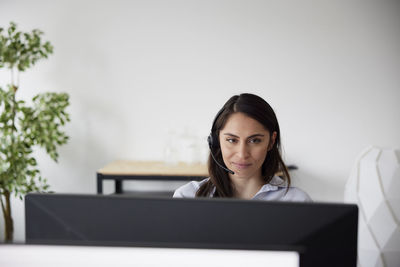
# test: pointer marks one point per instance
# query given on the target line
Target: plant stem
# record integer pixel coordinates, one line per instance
(8, 221)
(9, 224)
(3, 208)
(2, 204)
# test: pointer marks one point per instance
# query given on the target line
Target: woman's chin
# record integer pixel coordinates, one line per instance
(242, 174)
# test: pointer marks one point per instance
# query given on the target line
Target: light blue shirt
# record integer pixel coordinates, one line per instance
(273, 191)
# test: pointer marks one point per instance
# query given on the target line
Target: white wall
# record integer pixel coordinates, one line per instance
(137, 70)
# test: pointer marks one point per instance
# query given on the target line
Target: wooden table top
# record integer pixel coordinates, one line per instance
(156, 168)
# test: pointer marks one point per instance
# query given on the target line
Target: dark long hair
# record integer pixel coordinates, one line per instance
(256, 108)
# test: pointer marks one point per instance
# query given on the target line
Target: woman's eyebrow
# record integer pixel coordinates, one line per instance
(256, 135)
(229, 134)
(251, 136)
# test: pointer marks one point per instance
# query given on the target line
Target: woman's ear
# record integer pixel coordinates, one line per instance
(272, 140)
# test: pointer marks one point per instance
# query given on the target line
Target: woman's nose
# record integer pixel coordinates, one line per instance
(243, 150)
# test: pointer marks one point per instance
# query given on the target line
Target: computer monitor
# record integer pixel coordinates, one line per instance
(324, 234)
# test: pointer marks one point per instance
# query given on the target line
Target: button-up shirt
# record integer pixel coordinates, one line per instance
(275, 190)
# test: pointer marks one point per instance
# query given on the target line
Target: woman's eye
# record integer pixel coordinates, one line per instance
(231, 140)
(255, 140)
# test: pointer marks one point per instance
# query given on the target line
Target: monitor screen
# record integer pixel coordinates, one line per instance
(323, 234)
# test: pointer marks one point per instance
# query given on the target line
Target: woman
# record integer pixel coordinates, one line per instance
(245, 155)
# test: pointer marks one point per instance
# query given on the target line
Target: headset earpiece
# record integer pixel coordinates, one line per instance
(212, 142)
(212, 139)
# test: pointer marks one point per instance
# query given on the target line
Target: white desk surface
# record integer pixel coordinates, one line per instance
(62, 256)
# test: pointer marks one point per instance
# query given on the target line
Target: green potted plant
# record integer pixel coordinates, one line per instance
(23, 126)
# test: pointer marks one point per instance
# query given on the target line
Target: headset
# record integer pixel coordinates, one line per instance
(213, 142)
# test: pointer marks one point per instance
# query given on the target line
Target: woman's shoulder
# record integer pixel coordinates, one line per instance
(189, 190)
(278, 190)
(296, 194)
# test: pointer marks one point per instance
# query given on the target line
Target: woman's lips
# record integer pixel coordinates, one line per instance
(241, 165)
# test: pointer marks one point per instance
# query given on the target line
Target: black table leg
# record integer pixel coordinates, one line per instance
(118, 186)
(99, 183)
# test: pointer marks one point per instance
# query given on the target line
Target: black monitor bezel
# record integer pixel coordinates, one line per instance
(337, 235)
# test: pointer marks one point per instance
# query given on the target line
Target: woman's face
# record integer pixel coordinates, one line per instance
(244, 145)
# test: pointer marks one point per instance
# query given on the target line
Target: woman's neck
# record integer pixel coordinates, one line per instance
(246, 188)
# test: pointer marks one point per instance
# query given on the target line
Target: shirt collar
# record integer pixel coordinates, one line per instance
(273, 185)
(277, 182)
